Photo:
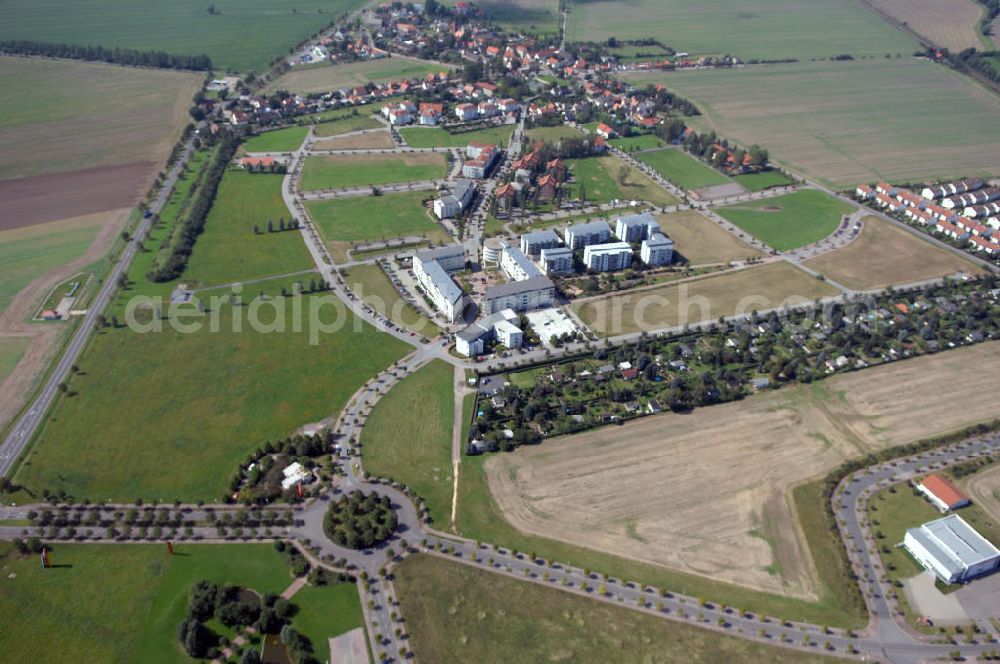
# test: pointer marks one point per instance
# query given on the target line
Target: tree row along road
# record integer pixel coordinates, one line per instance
(25, 427)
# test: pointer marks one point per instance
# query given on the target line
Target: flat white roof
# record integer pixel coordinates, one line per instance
(954, 542)
(552, 322)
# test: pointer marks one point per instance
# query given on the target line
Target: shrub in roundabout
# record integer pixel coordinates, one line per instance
(360, 520)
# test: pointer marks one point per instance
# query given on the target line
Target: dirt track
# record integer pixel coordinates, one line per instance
(36, 200)
(708, 493)
(44, 339)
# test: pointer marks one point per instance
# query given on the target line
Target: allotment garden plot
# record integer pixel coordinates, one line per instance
(707, 493)
(343, 172)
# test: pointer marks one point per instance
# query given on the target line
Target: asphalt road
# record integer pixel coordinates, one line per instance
(23, 431)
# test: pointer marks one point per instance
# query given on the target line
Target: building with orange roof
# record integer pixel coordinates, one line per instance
(943, 493)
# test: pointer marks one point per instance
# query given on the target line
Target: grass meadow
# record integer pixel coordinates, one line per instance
(378, 291)
(228, 250)
(762, 181)
(243, 35)
(460, 613)
(217, 396)
(638, 142)
(682, 169)
(552, 134)
(791, 220)
(11, 351)
(280, 140)
(600, 176)
(118, 603)
(759, 287)
(28, 253)
(435, 137)
(324, 78)
(373, 218)
(766, 29)
(341, 172)
(842, 123)
(346, 124)
(413, 445)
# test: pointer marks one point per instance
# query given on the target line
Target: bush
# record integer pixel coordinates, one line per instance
(195, 637)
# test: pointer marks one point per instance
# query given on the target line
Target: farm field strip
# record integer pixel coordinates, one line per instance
(953, 24)
(840, 123)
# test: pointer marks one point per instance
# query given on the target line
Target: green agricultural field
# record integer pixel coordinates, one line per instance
(682, 169)
(119, 603)
(119, 115)
(601, 178)
(243, 35)
(761, 181)
(228, 250)
(791, 220)
(341, 172)
(413, 445)
(11, 351)
(841, 123)
(747, 28)
(373, 218)
(535, 17)
(202, 399)
(27, 253)
(324, 78)
(378, 291)
(458, 613)
(638, 142)
(435, 137)
(281, 140)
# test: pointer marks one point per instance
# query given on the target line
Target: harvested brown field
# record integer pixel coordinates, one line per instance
(760, 287)
(701, 240)
(984, 489)
(60, 115)
(708, 493)
(884, 255)
(366, 141)
(953, 24)
(44, 198)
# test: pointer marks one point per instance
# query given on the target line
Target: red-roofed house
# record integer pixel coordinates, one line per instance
(940, 491)
(605, 131)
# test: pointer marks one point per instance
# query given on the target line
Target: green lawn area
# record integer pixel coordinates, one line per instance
(201, 400)
(229, 251)
(553, 134)
(118, 603)
(480, 518)
(346, 124)
(891, 512)
(458, 613)
(435, 137)
(682, 169)
(761, 181)
(600, 176)
(371, 218)
(789, 221)
(322, 77)
(638, 142)
(752, 29)
(243, 35)
(279, 140)
(339, 172)
(28, 253)
(413, 445)
(11, 351)
(378, 291)
(327, 611)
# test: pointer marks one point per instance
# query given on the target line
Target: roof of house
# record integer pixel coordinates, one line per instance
(590, 227)
(518, 287)
(444, 283)
(943, 489)
(547, 235)
(954, 543)
(447, 251)
(659, 240)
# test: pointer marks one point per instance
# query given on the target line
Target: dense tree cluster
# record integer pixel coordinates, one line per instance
(262, 483)
(190, 227)
(115, 55)
(360, 520)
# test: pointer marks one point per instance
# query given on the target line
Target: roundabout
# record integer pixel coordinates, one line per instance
(359, 520)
